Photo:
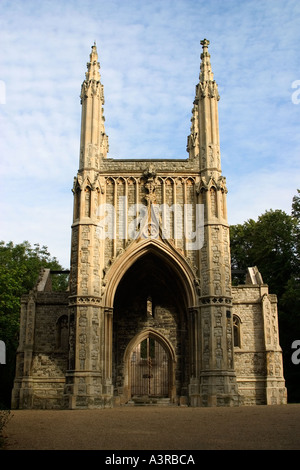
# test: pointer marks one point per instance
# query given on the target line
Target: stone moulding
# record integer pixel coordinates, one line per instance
(84, 300)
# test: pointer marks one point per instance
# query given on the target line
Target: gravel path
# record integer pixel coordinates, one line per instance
(153, 428)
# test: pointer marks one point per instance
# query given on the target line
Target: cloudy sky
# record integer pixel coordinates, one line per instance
(149, 51)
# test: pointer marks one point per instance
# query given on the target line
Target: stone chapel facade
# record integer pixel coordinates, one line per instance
(150, 315)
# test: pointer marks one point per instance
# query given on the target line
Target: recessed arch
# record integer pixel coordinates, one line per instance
(162, 250)
(149, 332)
(150, 271)
(165, 344)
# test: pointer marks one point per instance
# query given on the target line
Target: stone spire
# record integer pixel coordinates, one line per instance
(203, 142)
(93, 66)
(205, 67)
(94, 141)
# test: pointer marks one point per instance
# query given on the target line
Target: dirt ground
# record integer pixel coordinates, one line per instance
(156, 428)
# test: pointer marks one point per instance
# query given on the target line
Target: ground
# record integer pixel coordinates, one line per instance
(156, 428)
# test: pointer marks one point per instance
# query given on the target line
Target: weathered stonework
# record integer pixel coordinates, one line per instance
(258, 356)
(150, 313)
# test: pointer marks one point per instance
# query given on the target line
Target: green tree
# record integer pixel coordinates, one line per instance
(241, 243)
(269, 244)
(272, 244)
(20, 266)
(296, 206)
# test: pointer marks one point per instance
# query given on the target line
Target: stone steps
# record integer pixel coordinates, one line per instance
(149, 401)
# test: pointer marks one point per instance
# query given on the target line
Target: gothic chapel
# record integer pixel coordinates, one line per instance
(150, 315)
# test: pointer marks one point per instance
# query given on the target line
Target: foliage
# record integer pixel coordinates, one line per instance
(268, 244)
(296, 207)
(272, 243)
(20, 266)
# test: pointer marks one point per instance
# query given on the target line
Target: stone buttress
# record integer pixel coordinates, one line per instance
(215, 378)
(88, 381)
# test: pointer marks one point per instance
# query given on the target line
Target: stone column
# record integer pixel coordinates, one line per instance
(24, 384)
(276, 393)
(87, 380)
(217, 380)
(88, 385)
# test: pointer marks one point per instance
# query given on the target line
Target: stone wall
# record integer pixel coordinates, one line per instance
(43, 354)
(42, 360)
(258, 357)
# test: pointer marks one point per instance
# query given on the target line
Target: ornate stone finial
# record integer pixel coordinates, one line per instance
(204, 43)
(205, 67)
(93, 51)
(93, 66)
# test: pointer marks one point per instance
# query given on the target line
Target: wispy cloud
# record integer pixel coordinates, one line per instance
(149, 54)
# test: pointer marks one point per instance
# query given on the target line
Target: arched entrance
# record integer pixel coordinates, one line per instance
(150, 315)
(151, 290)
(172, 259)
(149, 369)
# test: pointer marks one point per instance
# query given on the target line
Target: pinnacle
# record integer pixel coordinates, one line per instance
(204, 43)
(93, 65)
(94, 50)
(205, 67)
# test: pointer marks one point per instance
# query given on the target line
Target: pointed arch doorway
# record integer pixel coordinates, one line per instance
(150, 365)
(149, 370)
(150, 326)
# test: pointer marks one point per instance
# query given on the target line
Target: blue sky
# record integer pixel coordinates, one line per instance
(149, 53)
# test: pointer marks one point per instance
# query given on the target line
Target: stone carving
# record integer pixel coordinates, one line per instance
(150, 185)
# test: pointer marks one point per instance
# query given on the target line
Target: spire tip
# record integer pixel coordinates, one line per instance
(204, 43)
